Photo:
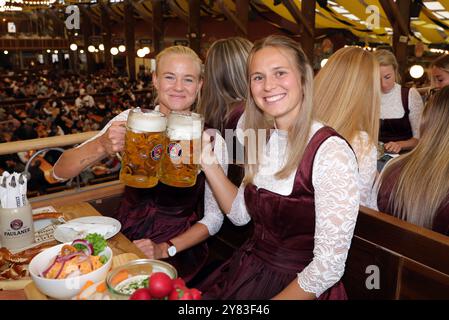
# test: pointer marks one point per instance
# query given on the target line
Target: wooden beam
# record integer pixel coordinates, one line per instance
(112, 14)
(174, 7)
(239, 19)
(86, 26)
(308, 38)
(392, 11)
(299, 17)
(130, 40)
(143, 14)
(91, 17)
(107, 38)
(158, 26)
(400, 40)
(194, 25)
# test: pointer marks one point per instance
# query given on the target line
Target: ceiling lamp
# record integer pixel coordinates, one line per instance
(73, 47)
(56, 51)
(81, 51)
(141, 53)
(101, 47)
(323, 62)
(146, 50)
(114, 51)
(91, 48)
(5, 52)
(121, 48)
(416, 71)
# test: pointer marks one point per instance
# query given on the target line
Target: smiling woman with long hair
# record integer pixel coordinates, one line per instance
(415, 186)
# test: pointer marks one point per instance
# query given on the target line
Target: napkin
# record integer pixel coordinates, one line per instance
(85, 228)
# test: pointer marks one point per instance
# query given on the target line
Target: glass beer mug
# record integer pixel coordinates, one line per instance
(144, 144)
(181, 158)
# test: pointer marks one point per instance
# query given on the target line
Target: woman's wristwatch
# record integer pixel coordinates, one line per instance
(171, 249)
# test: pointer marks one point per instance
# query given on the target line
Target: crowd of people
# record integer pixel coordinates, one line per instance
(43, 105)
(317, 164)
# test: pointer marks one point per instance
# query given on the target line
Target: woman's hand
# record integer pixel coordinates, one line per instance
(113, 140)
(152, 250)
(208, 158)
(392, 147)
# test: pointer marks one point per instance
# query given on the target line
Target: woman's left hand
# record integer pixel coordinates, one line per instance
(150, 249)
(392, 147)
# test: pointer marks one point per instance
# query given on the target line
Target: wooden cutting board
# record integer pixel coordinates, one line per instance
(33, 293)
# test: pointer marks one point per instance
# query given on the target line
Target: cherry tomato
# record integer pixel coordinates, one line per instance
(160, 285)
(141, 294)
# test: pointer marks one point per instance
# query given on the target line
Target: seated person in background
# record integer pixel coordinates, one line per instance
(439, 72)
(347, 98)
(415, 186)
(400, 109)
(84, 100)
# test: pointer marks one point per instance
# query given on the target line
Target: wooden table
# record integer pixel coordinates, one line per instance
(119, 243)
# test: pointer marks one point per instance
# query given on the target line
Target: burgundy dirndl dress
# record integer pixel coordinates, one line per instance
(163, 212)
(441, 219)
(282, 243)
(397, 129)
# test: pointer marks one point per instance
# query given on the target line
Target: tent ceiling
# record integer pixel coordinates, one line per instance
(431, 25)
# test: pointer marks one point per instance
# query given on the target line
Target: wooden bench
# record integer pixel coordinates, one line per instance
(412, 262)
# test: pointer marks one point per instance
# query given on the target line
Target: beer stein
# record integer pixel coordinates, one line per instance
(144, 144)
(181, 158)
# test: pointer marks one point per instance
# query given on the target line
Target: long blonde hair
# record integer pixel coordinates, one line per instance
(347, 94)
(225, 81)
(442, 62)
(299, 132)
(181, 50)
(387, 58)
(423, 184)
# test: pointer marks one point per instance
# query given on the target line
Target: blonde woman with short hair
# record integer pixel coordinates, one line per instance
(415, 187)
(155, 217)
(347, 98)
(400, 110)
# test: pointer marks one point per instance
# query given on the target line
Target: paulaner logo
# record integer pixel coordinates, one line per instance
(16, 224)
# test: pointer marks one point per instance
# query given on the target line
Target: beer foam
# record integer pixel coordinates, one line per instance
(184, 127)
(151, 121)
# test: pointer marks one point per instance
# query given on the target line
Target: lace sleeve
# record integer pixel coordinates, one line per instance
(416, 107)
(366, 154)
(239, 215)
(335, 180)
(213, 216)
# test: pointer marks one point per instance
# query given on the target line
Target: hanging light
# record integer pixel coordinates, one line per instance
(48, 50)
(56, 51)
(101, 47)
(141, 53)
(91, 48)
(146, 50)
(73, 47)
(416, 71)
(5, 52)
(81, 51)
(323, 62)
(114, 51)
(121, 48)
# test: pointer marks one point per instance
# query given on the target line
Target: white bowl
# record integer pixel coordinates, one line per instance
(64, 288)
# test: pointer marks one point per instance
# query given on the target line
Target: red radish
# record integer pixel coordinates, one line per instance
(141, 294)
(160, 285)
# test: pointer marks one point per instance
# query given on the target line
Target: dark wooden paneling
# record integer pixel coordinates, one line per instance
(361, 255)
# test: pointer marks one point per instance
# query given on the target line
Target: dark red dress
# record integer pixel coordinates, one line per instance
(441, 219)
(282, 243)
(163, 212)
(397, 129)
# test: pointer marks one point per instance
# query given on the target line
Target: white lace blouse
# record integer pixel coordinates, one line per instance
(366, 154)
(213, 217)
(335, 179)
(391, 107)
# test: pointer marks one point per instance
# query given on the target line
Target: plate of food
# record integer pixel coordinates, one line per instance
(80, 227)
